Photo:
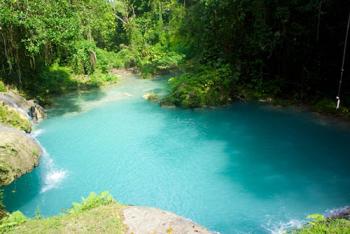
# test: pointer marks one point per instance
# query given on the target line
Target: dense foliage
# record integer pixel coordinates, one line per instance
(273, 49)
(44, 44)
(283, 49)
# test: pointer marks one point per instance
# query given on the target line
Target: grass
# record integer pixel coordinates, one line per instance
(11, 118)
(95, 214)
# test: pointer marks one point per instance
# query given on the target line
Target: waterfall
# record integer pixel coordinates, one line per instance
(52, 176)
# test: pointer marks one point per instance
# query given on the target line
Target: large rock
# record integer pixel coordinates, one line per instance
(154, 221)
(19, 154)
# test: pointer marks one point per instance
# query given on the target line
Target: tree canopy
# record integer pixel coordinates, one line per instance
(286, 49)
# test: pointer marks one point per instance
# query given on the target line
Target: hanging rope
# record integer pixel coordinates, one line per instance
(342, 66)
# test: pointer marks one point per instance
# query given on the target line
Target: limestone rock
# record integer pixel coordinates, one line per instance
(151, 220)
(19, 154)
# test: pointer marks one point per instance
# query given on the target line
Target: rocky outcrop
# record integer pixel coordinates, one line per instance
(151, 220)
(151, 97)
(19, 154)
(27, 109)
(342, 213)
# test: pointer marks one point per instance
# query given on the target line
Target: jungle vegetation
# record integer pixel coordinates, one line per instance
(219, 49)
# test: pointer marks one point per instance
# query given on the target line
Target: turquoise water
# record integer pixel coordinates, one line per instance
(245, 168)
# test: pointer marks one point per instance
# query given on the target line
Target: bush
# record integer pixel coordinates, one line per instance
(84, 57)
(205, 86)
(2, 86)
(320, 224)
(127, 57)
(155, 59)
(92, 201)
(329, 106)
(99, 78)
(11, 221)
(52, 81)
(107, 60)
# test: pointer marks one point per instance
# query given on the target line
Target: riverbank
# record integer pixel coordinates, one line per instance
(102, 214)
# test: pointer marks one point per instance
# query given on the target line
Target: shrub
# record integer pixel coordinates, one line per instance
(98, 78)
(2, 86)
(92, 201)
(107, 60)
(206, 86)
(320, 224)
(11, 221)
(54, 80)
(84, 57)
(329, 106)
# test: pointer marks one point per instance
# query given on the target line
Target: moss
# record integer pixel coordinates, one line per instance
(95, 214)
(10, 117)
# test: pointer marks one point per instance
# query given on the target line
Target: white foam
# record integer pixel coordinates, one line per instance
(37, 133)
(284, 227)
(53, 179)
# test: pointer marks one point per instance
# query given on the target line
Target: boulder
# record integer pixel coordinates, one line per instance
(19, 154)
(151, 220)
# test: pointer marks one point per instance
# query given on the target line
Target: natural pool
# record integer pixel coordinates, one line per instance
(245, 168)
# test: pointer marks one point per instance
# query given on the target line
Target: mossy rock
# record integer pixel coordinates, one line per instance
(10, 117)
(19, 154)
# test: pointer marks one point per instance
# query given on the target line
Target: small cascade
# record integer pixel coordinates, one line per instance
(52, 176)
(8, 100)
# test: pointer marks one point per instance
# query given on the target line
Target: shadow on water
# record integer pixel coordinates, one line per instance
(23, 190)
(71, 103)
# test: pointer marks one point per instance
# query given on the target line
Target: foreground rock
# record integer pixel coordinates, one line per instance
(19, 154)
(154, 221)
